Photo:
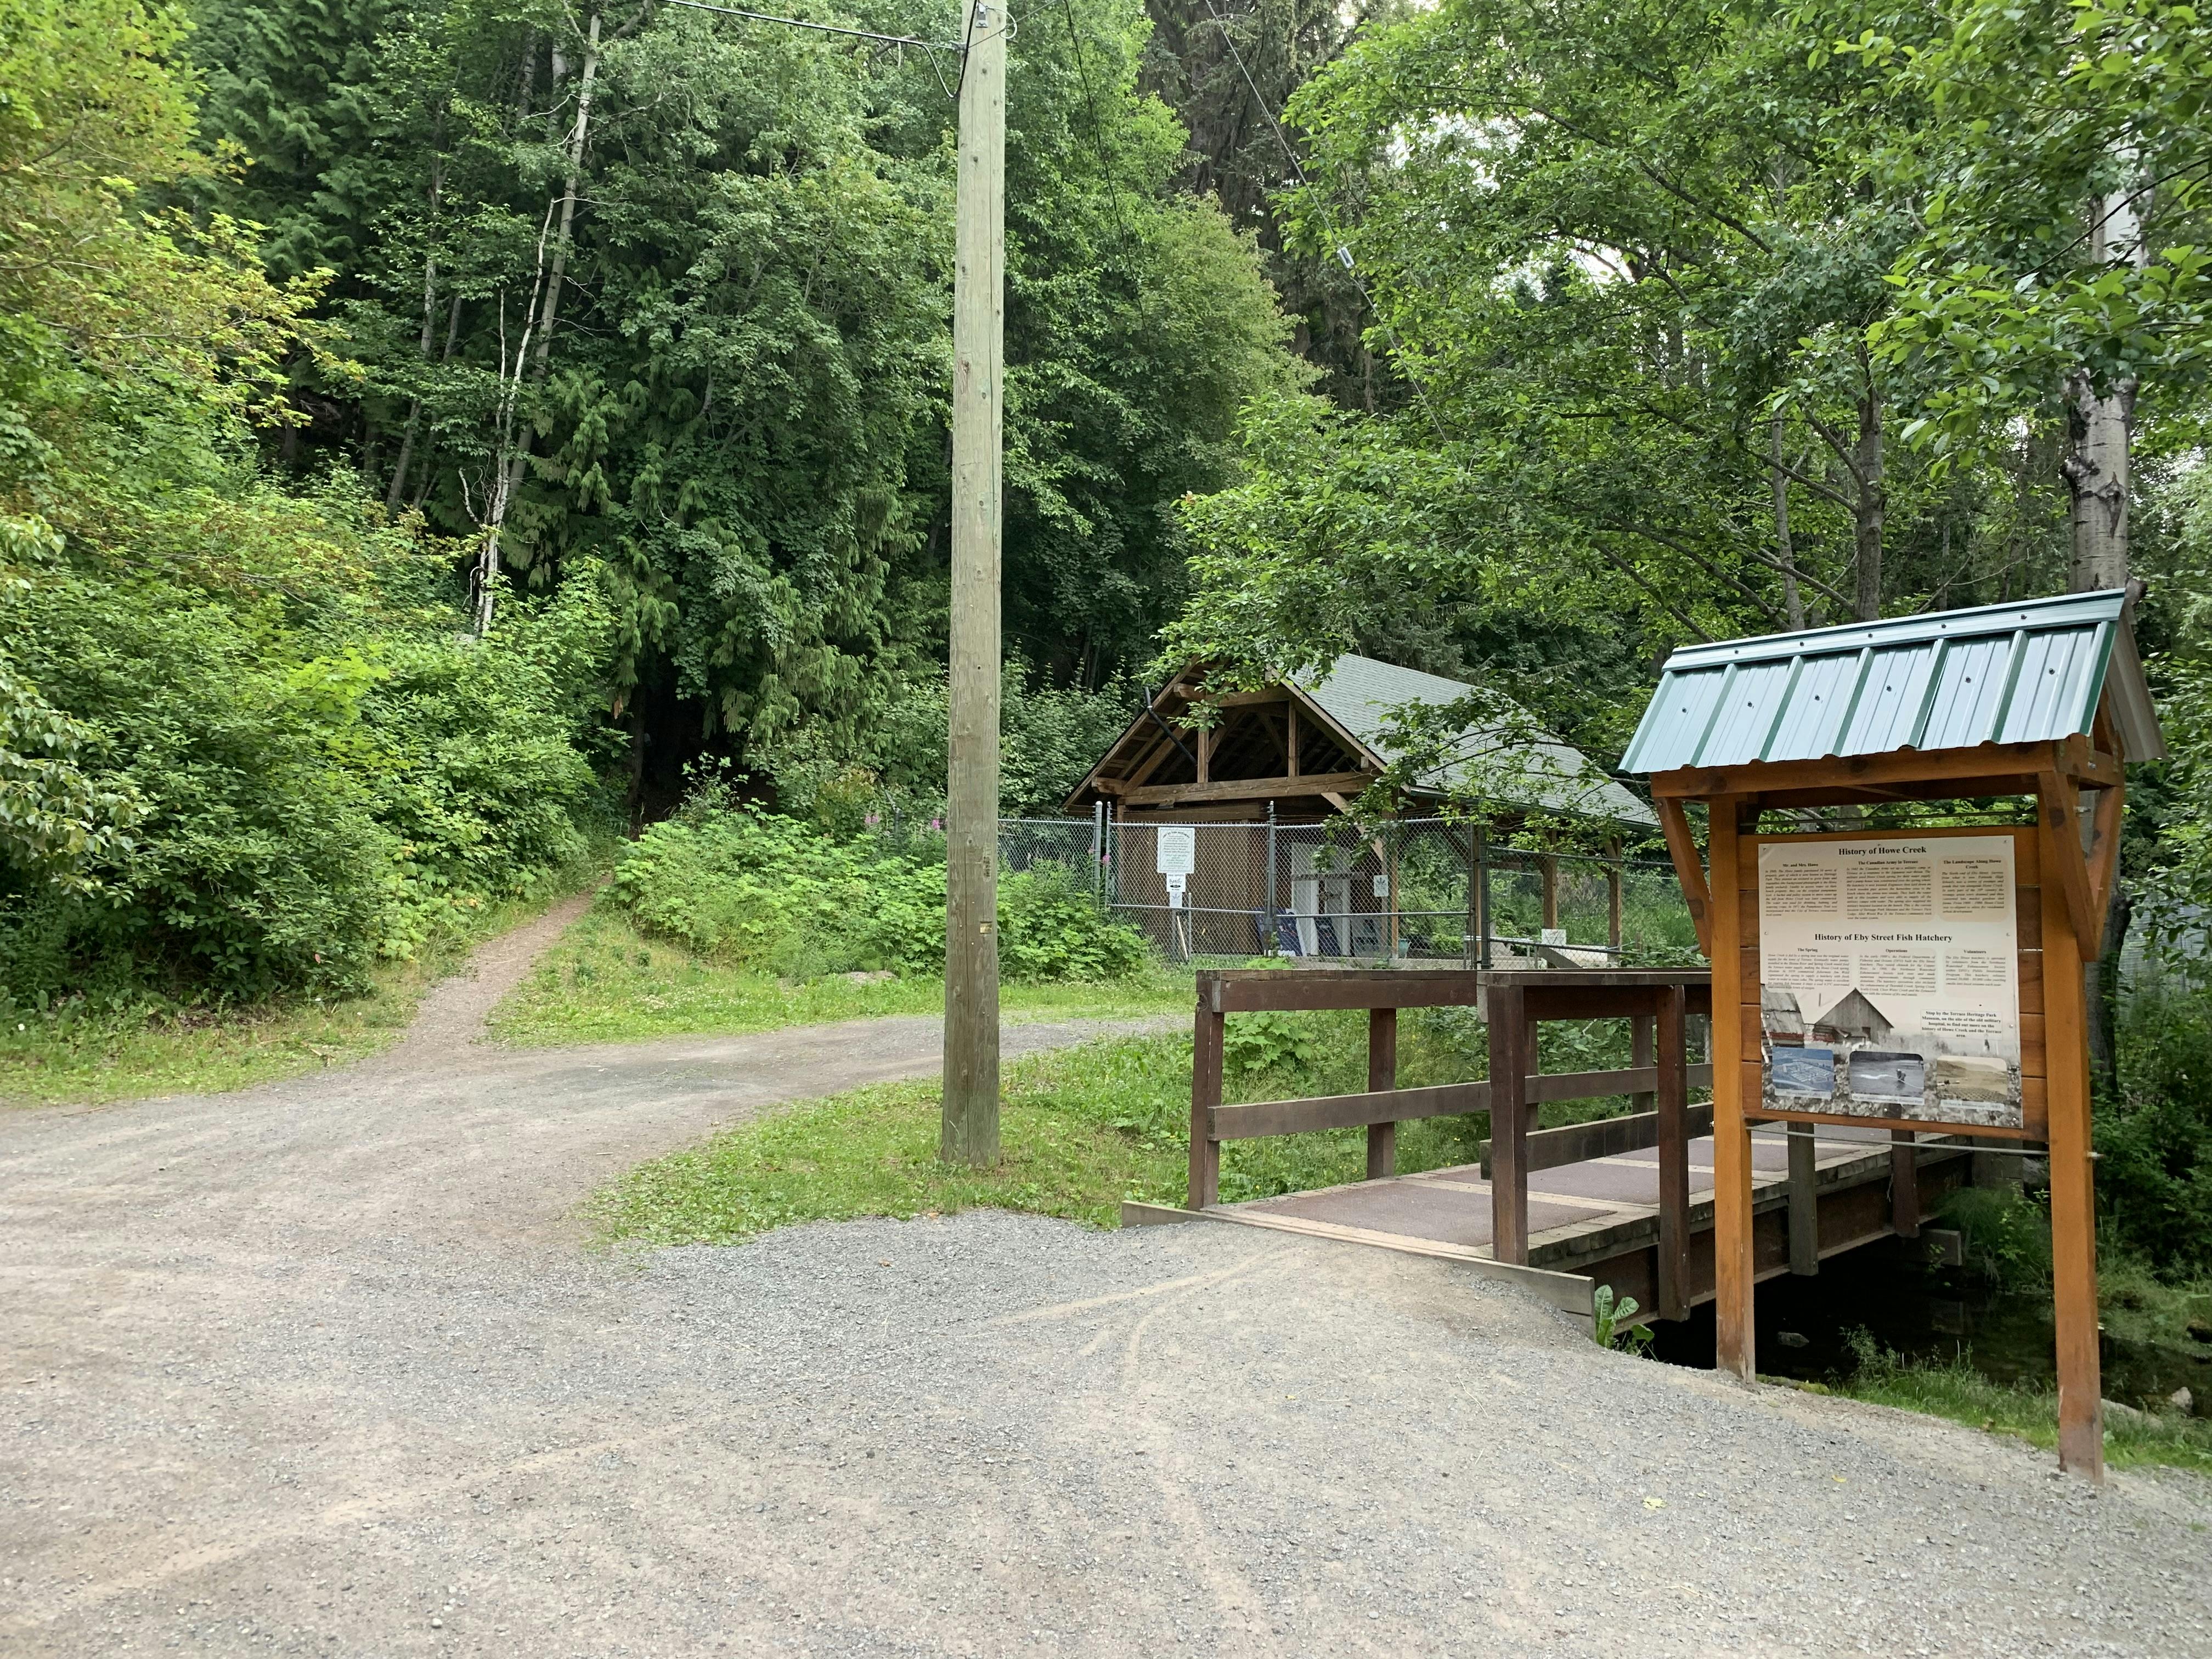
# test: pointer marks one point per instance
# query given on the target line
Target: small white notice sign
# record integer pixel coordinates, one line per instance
(1889, 978)
(1177, 848)
(1176, 892)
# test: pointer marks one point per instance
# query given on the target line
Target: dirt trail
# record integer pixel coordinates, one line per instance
(454, 1013)
(318, 1368)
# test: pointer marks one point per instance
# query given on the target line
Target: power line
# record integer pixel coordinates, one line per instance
(1343, 251)
(932, 47)
(1097, 139)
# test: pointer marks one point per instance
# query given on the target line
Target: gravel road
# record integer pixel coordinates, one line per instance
(319, 1368)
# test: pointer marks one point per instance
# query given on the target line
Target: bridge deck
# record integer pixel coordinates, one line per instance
(1593, 1214)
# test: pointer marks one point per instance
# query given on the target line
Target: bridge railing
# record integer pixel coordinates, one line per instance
(1658, 1004)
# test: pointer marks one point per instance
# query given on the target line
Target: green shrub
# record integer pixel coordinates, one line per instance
(303, 765)
(1050, 928)
(743, 885)
(2154, 1132)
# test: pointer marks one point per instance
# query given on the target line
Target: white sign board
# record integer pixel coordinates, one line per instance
(1177, 848)
(1175, 892)
(1552, 936)
(1889, 978)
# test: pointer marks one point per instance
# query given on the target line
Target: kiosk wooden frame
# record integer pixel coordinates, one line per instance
(2045, 699)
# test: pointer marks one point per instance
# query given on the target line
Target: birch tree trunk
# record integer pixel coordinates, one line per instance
(2096, 472)
(535, 349)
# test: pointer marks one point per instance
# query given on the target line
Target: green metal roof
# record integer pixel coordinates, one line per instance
(2025, 672)
(1361, 694)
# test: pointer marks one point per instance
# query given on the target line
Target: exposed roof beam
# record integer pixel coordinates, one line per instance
(1245, 788)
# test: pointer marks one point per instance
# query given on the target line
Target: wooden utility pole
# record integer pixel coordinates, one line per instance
(970, 1132)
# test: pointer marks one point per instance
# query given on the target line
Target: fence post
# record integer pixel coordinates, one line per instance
(1674, 1153)
(1510, 1058)
(1483, 924)
(1204, 1095)
(1640, 1053)
(1382, 1074)
(1099, 850)
(1268, 941)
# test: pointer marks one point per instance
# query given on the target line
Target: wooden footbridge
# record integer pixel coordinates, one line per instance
(1625, 1201)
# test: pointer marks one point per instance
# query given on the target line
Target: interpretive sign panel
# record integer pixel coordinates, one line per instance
(1176, 849)
(1889, 978)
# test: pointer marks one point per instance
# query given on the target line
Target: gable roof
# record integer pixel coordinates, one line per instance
(2023, 672)
(1361, 694)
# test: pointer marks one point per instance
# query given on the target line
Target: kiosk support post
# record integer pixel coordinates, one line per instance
(1734, 1347)
(2072, 1191)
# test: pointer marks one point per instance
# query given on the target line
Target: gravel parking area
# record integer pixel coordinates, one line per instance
(322, 1369)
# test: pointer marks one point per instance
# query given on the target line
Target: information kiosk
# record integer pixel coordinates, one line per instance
(1897, 941)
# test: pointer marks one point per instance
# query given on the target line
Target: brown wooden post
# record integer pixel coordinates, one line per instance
(2073, 1192)
(1204, 1095)
(1734, 1340)
(1549, 867)
(1510, 1057)
(1382, 1074)
(1673, 1153)
(1804, 1202)
(1903, 1185)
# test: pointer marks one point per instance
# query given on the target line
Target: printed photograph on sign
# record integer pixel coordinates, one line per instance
(1889, 978)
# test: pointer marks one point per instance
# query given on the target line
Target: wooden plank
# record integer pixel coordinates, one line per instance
(1136, 1214)
(1205, 1102)
(1154, 794)
(2104, 852)
(2073, 1192)
(1734, 1339)
(1381, 1079)
(1297, 1117)
(1570, 1292)
(1689, 868)
(1592, 1002)
(2063, 854)
(1237, 991)
(1512, 1042)
(1673, 1114)
(1959, 767)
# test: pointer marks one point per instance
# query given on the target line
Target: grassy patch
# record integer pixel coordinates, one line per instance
(81, 1056)
(606, 981)
(1954, 1390)
(1082, 1129)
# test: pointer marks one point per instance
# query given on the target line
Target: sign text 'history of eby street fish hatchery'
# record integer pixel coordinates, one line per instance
(1889, 978)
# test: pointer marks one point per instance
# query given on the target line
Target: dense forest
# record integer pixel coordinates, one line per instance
(432, 433)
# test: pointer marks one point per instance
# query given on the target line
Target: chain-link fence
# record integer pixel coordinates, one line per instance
(1416, 889)
(1426, 889)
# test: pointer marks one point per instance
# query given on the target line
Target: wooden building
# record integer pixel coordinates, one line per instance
(1305, 748)
(1290, 756)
